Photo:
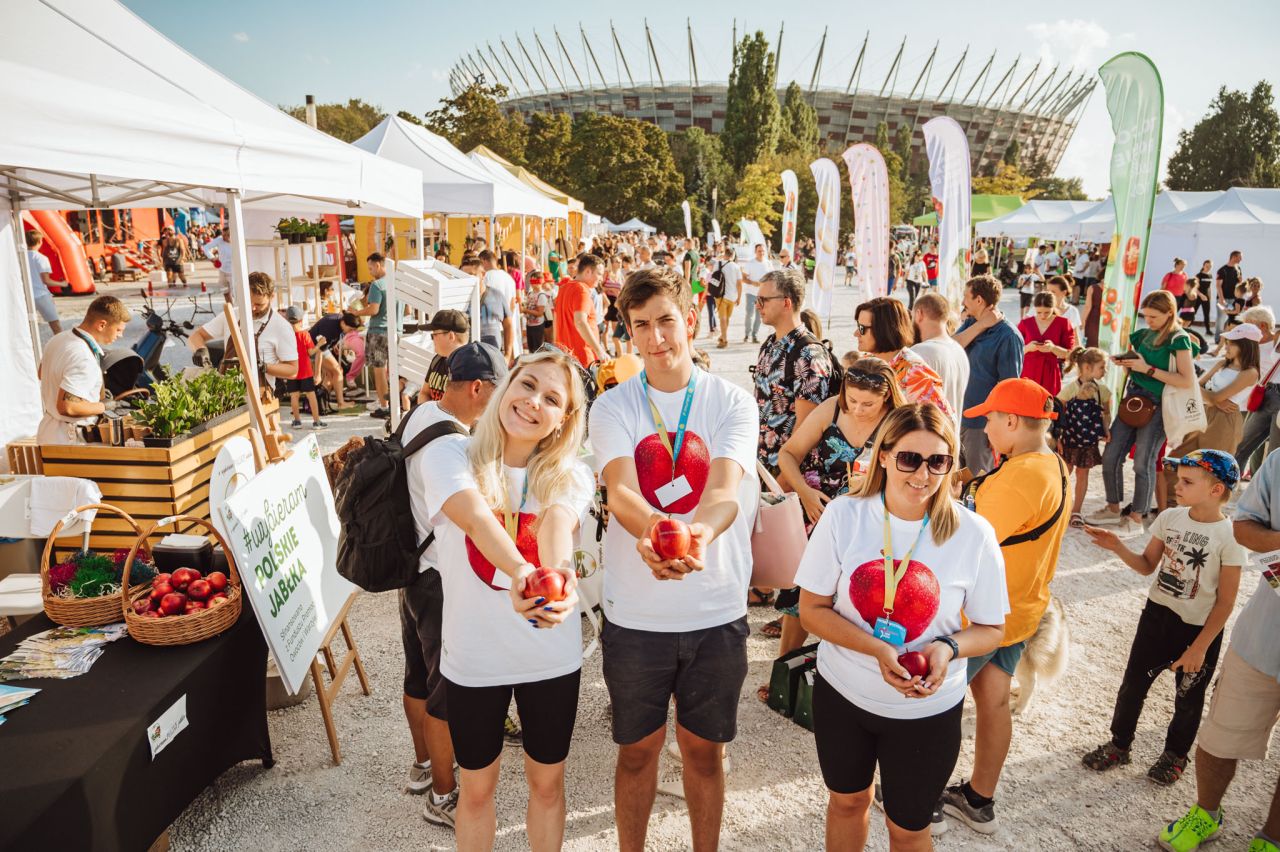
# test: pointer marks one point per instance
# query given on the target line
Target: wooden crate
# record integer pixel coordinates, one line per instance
(149, 483)
(24, 456)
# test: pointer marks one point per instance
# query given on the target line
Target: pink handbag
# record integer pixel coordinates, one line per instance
(778, 539)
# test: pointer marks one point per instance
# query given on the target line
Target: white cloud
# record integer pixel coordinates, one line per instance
(1074, 43)
(241, 37)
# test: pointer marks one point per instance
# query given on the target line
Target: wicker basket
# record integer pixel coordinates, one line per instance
(180, 629)
(81, 612)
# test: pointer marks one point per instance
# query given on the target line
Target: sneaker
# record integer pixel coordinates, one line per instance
(1102, 517)
(318, 424)
(937, 823)
(1262, 844)
(673, 751)
(511, 733)
(981, 820)
(419, 778)
(1106, 756)
(297, 424)
(440, 810)
(1196, 827)
(380, 413)
(1167, 769)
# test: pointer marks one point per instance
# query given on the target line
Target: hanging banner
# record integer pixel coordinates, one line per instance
(715, 230)
(949, 181)
(869, 185)
(826, 235)
(688, 219)
(791, 203)
(1135, 100)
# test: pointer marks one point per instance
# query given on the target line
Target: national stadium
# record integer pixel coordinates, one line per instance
(997, 103)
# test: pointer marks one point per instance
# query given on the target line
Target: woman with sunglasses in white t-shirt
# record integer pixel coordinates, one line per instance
(869, 710)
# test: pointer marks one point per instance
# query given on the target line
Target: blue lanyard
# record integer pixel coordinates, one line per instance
(91, 343)
(661, 427)
(511, 520)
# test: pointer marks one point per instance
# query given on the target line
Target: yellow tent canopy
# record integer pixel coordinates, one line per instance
(530, 179)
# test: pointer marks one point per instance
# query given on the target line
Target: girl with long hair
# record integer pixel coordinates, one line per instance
(1160, 354)
(505, 504)
(1048, 337)
(889, 571)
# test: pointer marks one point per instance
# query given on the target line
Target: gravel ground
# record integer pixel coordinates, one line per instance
(775, 799)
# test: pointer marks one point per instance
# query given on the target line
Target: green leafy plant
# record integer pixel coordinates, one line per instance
(178, 405)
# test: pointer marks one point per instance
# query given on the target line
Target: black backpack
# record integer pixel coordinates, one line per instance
(717, 283)
(378, 547)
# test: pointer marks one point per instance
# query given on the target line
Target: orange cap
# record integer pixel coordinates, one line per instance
(1022, 397)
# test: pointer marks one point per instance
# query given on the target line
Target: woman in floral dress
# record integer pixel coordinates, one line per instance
(884, 331)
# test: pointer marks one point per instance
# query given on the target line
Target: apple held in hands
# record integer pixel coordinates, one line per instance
(671, 538)
(916, 664)
(545, 583)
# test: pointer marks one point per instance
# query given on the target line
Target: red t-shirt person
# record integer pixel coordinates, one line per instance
(305, 345)
(575, 297)
(931, 266)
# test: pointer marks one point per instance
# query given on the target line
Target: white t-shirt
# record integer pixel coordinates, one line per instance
(1027, 283)
(1072, 313)
(501, 281)
(225, 255)
(420, 418)
(38, 265)
(755, 270)
(723, 423)
(917, 272)
(1226, 376)
(732, 280)
(948, 360)
(1051, 261)
(1194, 553)
(70, 364)
(849, 258)
(484, 641)
(277, 343)
(967, 571)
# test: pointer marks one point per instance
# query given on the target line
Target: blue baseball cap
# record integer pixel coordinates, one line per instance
(476, 361)
(1221, 465)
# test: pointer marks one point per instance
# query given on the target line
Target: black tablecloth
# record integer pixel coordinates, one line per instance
(75, 768)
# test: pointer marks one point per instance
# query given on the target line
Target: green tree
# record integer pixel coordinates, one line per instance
(1006, 181)
(752, 117)
(547, 150)
(799, 129)
(1060, 189)
(410, 117)
(699, 157)
(622, 167)
(759, 197)
(893, 165)
(1237, 143)
(473, 117)
(347, 122)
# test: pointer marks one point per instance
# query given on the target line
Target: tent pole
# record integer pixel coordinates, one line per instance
(393, 346)
(240, 287)
(422, 243)
(24, 269)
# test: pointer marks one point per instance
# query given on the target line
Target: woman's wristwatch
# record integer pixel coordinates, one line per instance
(949, 642)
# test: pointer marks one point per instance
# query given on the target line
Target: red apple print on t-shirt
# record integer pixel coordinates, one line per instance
(653, 469)
(915, 601)
(526, 543)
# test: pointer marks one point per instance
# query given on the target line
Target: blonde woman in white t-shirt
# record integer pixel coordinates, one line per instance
(869, 710)
(502, 502)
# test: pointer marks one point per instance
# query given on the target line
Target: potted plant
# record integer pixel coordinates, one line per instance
(179, 408)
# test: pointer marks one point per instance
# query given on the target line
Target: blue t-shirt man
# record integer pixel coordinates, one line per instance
(378, 295)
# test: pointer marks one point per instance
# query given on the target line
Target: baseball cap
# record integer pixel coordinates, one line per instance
(449, 320)
(1022, 397)
(476, 361)
(293, 313)
(1244, 331)
(1222, 465)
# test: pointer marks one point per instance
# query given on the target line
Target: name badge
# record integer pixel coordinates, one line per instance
(890, 631)
(673, 491)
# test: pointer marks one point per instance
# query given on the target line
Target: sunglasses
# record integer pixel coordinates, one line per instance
(863, 329)
(938, 464)
(871, 380)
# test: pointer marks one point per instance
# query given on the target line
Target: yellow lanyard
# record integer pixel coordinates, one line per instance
(891, 577)
(511, 520)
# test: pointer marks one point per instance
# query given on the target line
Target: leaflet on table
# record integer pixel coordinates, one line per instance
(12, 697)
(1269, 562)
(58, 653)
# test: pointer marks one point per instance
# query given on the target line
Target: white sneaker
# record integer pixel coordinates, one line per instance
(1129, 524)
(419, 778)
(440, 810)
(673, 750)
(1102, 517)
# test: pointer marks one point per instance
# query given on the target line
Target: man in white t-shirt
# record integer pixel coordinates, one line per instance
(753, 273)
(225, 259)
(732, 293)
(675, 628)
(41, 272)
(71, 373)
(947, 358)
(474, 371)
(644, 258)
(496, 278)
(277, 345)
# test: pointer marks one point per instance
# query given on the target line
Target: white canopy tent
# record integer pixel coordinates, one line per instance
(632, 224)
(135, 121)
(1033, 219)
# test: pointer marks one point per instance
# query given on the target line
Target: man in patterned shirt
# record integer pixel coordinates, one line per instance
(794, 372)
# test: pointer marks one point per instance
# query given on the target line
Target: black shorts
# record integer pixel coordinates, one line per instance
(307, 385)
(547, 708)
(173, 267)
(421, 607)
(703, 669)
(1024, 299)
(916, 756)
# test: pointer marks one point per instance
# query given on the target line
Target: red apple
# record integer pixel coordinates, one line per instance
(215, 599)
(159, 590)
(915, 602)
(217, 581)
(173, 603)
(199, 589)
(545, 583)
(142, 606)
(671, 538)
(166, 577)
(916, 664)
(193, 606)
(526, 543)
(653, 470)
(183, 577)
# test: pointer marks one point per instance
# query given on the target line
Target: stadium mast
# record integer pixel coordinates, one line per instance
(619, 52)
(855, 83)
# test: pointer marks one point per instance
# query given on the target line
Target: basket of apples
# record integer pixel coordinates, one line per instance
(182, 607)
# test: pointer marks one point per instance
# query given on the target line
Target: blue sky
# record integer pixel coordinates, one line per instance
(397, 53)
